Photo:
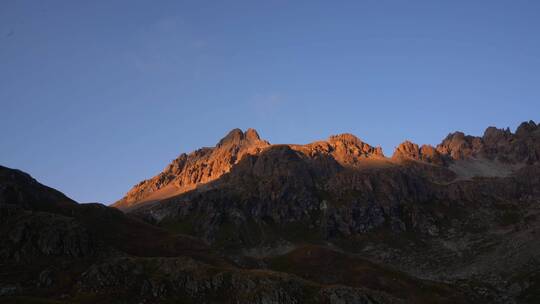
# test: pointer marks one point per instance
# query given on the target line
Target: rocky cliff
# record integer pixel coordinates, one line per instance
(496, 144)
(188, 171)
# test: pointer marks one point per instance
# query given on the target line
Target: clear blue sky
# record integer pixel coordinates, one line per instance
(98, 95)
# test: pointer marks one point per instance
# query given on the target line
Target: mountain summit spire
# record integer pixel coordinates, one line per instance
(237, 136)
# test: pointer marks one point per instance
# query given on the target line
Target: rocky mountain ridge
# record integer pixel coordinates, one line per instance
(496, 144)
(202, 166)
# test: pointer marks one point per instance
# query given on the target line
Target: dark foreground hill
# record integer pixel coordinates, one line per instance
(333, 221)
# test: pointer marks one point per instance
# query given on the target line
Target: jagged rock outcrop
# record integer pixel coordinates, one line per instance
(191, 170)
(205, 165)
(346, 150)
(410, 151)
(459, 146)
(497, 153)
(496, 144)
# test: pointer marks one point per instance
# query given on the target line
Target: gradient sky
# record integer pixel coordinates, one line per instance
(97, 95)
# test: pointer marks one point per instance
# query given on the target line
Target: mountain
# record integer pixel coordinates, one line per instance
(464, 212)
(191, 171)
(334, 221)
(197, 168)
(497, 149)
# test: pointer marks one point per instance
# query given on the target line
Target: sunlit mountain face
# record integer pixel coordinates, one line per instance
(249, 221)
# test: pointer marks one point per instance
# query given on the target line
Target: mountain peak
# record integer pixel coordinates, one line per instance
(526, 128)
(408, 150)
(237, 136)
(251, 134)
(347, 145)
(345, 138)
(199, 167)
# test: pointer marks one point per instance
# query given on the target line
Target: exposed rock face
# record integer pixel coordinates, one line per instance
(199, 167)
(348, 148)
(496, 144)
(410, 151)
(345, 149)
(280, 186)
(189, 171)
(458, 146)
